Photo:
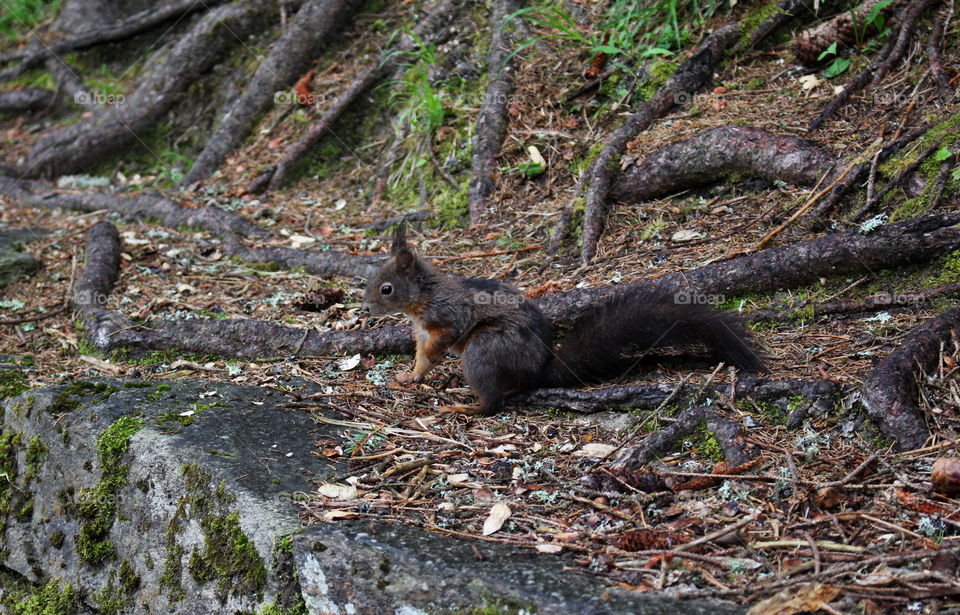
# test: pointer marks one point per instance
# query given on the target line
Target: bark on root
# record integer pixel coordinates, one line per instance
(228, 226)
(787, 10)
(859, 175)
(841, 29)
(141, 206)
(695, 73)
(109, 330)
(735, 450)
(275, 175)
(715, 154)
(890, 392)
(649, 397)
(492, 118)
(314, 25)
(26, 99)
(114, 129)
(876, 302)
(887, 246)
(141, 22)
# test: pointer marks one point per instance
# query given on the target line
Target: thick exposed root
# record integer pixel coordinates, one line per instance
(314, 25)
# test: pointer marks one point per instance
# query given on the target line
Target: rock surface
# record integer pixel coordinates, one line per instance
(180, 498)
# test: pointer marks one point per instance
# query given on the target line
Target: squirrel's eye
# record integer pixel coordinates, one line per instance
(386, 289)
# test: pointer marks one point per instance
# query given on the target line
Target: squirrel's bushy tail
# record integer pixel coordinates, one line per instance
(608, 341)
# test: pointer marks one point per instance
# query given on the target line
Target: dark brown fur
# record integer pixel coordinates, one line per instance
(506, 344)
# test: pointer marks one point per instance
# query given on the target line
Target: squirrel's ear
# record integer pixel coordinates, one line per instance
(405, 259)
(399, 239)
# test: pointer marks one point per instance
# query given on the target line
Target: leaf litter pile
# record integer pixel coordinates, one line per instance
(822, 515)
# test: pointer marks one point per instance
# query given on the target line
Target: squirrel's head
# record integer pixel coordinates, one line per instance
(398, 286)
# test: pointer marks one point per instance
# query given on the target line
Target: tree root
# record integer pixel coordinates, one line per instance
(302, 40)
(652, 396)
(841, 29)
(888, 57)
(492, 117)
(69, 86)
(109, 330)
(656, 445)
(890, 392)
(274, 176)
(695, 73)
(100, 271)
(715, 154)
(860, 173)
(27, 99)
(870, 304)
(936, 64)
(887, 246)
(787, 10)
(228, 226)
(135, 24)
(114, 129)
(901, 176)
(141, 206)
(317, 263)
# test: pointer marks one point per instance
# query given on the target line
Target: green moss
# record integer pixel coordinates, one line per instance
(228, 557)
(184, 421)
(451, 206)
(10, 497)
(117, 595)
(950, 268)
(274, 608)
(56, 539)
(12, 383)
(949, 133)
(705, 443)
(97, 507)
(268, 266)
(754, 18)
(157, 395)
(660, 72)
(50, 599)
(70, 396)
(36, 456)
(497, 606)
(173, 571)
(137, 384)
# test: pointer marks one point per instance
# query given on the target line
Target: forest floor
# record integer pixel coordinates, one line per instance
(799, 521)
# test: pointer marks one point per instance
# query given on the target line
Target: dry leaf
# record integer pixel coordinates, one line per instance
(349, 363)
(549, 548)
(945, 475)
(333, 515)
(594, 449)
(807, 600)
(337, 492)
(497, 517)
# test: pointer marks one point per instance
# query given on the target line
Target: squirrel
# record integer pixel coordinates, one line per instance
(507, 346)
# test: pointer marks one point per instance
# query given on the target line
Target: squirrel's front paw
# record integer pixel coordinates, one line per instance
(407, 378)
